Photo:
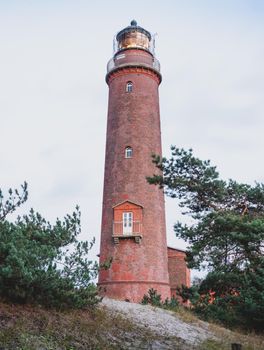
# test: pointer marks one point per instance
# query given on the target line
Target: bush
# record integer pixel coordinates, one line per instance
(43, 263)
(154, 299)
(235, 299)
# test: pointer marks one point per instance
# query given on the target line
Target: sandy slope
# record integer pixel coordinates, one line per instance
(161, 322)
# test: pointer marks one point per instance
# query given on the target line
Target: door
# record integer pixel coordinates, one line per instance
(127, 223)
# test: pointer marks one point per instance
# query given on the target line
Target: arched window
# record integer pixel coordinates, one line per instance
(128, 152)
(129, 86)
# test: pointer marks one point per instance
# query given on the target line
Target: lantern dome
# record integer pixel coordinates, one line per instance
(134, 37)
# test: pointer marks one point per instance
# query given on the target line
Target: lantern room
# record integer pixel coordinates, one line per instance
(134, 46)
(133, 37)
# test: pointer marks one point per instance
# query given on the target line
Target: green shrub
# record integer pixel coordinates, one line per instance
(44, 263)
(154, 299)
(236, 299)
(171, 304)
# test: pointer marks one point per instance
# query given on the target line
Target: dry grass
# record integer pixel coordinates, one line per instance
(31, 328)
(34, 328)
(249, 341)
(226, 337)
(186, 315)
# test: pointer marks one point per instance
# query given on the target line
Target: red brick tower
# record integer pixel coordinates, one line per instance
(133, 220)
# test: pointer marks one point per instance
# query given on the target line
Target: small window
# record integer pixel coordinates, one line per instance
(128, 152)
(129, 86)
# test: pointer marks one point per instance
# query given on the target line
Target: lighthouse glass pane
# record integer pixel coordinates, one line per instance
(127, 223)
(129, 86)
(128, 152)
(133, 39)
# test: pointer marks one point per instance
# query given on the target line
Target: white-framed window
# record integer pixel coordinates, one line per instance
(128, 152)
(127, 223)
(129, 86)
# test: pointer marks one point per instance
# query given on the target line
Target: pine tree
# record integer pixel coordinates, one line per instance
(44, 263)
(226, 236)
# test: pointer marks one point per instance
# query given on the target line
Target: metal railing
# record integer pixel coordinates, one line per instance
(118, 228)
(112, 64)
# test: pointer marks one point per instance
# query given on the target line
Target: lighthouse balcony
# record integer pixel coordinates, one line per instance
(133, 59)
(125, 230)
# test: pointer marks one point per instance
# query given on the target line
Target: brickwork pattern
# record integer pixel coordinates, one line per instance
(133, 120)
(178, 272)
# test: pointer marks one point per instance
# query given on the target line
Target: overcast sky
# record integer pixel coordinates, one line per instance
(53, 95)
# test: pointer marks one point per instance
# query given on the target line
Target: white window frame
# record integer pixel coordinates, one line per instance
(129, 86)
(127, 223)
(128, 152)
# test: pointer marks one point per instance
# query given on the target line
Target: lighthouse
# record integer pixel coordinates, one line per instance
(133, 231)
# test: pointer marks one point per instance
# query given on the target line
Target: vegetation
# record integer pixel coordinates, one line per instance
(223, 338)
(44, 263)
(226, 236)
(154, 299)
(30, 327)
(27, 327)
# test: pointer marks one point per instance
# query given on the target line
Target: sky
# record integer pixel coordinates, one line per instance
(53, 95)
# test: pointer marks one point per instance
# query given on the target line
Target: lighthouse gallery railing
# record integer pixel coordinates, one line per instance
(112, 64)
(118, 228)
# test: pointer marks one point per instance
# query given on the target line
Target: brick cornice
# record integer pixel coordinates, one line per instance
(136, 282)
(133, 69)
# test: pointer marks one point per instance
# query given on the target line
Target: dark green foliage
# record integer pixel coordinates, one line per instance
(226, 236)
(234, 298)
(44, 263)
(154, 299)
(14, 200)
(170, 304)
(189, 293)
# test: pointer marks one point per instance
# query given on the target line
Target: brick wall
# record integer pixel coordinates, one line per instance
(134, 121)
(178, 272)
